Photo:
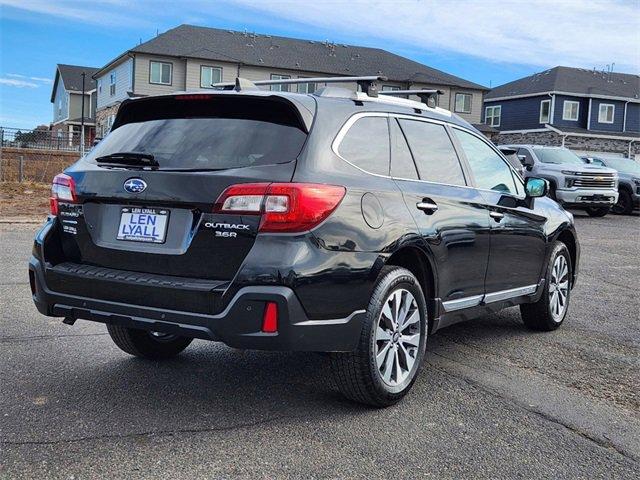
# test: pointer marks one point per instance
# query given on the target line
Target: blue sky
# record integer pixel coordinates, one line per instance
(489, 42)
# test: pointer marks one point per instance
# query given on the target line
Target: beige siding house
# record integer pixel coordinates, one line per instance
(189, 58)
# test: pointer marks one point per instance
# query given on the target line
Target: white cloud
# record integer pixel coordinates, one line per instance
(14, 82)
(25, 77)
(541, 33)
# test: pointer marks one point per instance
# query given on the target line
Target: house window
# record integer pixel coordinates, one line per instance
(570, 110)
(463, 102)
(209, 76)
(390, 88)
(60, 106)
(160, 73)
(492, 115)
(306, 87)
(280, 88)
(606, 112)
(112, 83)
(99, 85)
(545, 109)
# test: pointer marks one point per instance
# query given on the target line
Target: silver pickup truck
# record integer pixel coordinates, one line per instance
(571, 183)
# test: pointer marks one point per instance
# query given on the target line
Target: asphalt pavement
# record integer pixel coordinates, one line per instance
(492, 401)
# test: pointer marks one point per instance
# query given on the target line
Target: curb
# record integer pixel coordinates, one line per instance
(21, 220)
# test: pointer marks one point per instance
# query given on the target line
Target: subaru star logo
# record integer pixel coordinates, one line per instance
(135, 185)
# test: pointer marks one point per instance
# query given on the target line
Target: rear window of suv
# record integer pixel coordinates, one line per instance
(208, 134)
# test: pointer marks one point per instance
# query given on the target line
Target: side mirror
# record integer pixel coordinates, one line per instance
(527, 162)
(536, 187)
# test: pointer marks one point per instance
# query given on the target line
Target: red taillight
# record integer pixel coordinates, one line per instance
(63, 188)
(270, 318)
(285, 207)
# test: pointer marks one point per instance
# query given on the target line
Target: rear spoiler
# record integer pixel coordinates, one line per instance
(128, 111)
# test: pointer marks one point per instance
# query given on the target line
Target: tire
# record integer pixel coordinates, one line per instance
(145, 344)
(543, 314)
(624, 205)
(598, 211)
(358, 375)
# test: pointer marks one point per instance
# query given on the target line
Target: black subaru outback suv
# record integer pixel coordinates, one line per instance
(339, 222)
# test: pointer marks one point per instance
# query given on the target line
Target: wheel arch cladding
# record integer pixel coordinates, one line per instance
(417, 262)
(569, 240)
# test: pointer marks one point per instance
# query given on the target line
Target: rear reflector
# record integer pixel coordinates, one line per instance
(285, 207)
(270, 318)
(63, 188)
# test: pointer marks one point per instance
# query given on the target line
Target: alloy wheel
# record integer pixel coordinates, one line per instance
(559, 288)
(398, 335)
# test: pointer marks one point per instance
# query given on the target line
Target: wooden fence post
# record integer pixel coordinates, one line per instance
(21, 169)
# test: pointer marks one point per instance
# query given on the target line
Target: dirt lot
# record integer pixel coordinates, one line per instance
(27, 199)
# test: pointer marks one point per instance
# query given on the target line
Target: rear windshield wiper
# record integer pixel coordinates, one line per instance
(129, 158)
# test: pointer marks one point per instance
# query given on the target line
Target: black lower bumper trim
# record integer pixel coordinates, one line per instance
(238, 325)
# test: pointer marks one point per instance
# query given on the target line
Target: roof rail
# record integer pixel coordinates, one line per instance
(426, 96)
(368, 84)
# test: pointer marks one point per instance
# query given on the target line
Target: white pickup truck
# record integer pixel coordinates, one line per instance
(572, 183)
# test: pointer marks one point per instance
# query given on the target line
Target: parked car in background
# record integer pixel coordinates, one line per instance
(628, 181)
(571, 183)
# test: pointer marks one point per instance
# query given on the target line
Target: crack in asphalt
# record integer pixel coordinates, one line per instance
(605, 443)
(45, 337)
(159, 433)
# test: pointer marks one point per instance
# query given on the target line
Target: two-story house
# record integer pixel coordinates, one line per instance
(66, 97)
(586, 110)
(192, 58)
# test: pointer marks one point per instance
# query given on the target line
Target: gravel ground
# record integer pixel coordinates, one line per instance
(493, 400)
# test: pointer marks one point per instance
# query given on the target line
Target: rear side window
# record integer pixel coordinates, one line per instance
(214, 133)
(489, 170)
(433, 152)
(402, 165)
(366, 145)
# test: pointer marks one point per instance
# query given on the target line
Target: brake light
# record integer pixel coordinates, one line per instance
(63, 188)
(285, 207)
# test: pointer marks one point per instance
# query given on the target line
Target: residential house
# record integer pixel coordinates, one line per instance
(586, 110)
(66, 97)
(190, 58)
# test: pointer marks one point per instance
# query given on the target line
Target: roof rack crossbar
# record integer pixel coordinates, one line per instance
(368, 84)
(426, 96)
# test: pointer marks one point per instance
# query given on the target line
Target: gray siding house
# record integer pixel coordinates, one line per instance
(586, 110)
(192, 58)
(66, 97)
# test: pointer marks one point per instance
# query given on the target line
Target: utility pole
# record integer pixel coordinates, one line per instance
(82, 118)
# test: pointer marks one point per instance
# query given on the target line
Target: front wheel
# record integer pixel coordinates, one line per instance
(144, 344)
(392, 343)
(549, 311)
(598, 211)
(624, 205)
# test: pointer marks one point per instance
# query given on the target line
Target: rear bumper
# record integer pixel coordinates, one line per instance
(587, 197)
(238, 325)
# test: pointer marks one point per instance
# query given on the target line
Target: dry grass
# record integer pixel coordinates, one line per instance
(27, 199)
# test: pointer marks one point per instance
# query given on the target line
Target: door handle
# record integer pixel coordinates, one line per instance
(427, 205)
(497, 216)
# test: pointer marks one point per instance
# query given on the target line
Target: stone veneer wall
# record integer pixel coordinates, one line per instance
(102, 116)
(589, 144)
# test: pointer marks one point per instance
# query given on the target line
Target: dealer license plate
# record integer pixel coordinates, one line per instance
(143, 224)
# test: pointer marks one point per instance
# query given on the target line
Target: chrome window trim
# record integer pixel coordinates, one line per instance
(475, 300)
(354, 118)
